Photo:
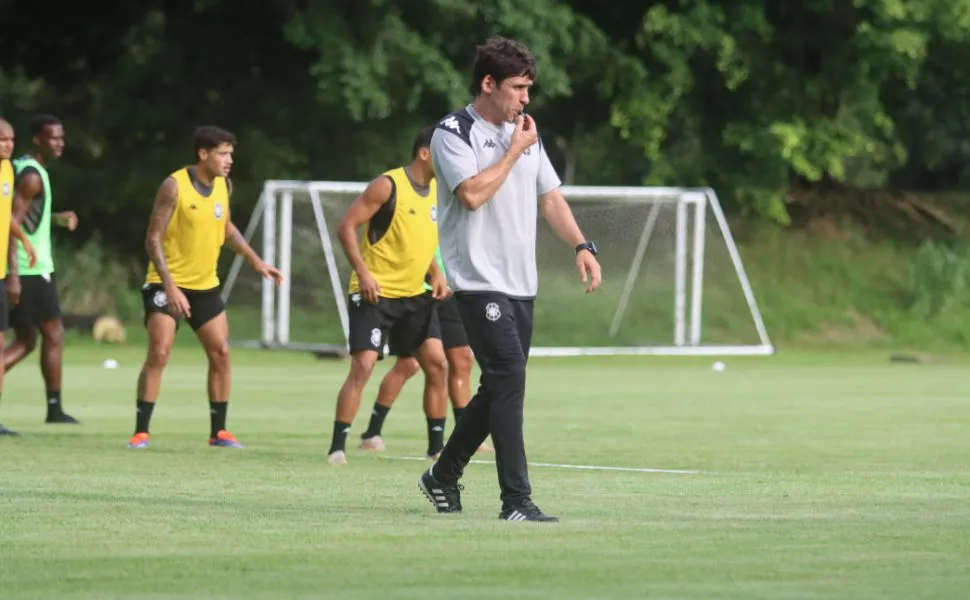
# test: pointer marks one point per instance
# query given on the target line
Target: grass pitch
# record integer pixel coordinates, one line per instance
(819, 478)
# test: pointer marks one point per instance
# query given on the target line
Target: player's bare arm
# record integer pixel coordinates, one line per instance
(13, 273)
(239, 245)
(166, 201)
(560, 217)
(17, 233)
(364, 207)
(439, 283)
(29, 184)
(476, 191)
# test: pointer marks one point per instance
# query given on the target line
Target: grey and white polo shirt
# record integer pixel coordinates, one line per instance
(492, 249)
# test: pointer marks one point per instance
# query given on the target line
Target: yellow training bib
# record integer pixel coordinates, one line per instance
(400, 240)
(6, 207)
(195, 234)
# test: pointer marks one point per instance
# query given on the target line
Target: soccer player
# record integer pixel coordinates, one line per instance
(190, 222)
(9, 281)
(460, 359)
(396, 254)
(39, 308)
(495, 177)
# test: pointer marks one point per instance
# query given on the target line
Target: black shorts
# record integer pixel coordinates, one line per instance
(39, 302)
(204, 305)
(452, 329)
(4, 319)
(404, 323)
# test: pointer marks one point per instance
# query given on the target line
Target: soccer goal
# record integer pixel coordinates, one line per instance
(674, 281)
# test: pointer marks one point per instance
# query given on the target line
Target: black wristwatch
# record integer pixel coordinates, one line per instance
(591, 246)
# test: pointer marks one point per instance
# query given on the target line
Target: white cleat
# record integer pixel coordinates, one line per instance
(372, 444)
(337, 458)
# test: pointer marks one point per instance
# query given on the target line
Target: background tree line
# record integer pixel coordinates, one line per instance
(751, 97)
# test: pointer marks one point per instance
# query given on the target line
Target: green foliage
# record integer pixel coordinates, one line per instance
(748, 97)
(92, 280)
(939, 274)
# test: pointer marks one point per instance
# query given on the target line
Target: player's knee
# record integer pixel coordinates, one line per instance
(436, 368)
(158, 353)
(219, 354)
(54, 336)
(361, 367)
(407, 367)
(28, 338)
(460, 363)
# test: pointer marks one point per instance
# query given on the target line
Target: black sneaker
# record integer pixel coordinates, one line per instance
(7, 432)
(526, 511)
(62, 418)
(445, 498)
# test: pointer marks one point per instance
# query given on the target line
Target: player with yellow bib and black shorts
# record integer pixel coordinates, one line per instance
(460, 360)
(9, 230)
(388, 299)
(190, 222)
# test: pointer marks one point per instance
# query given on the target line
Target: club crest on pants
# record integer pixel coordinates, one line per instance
(492, 311)
(375, 337)
(159, 299)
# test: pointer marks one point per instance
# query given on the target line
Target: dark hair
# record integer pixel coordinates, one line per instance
(501, 58)
(38, 123)
(423, 140)
(208, 137)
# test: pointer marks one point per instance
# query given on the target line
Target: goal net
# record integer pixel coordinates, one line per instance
(674, 282)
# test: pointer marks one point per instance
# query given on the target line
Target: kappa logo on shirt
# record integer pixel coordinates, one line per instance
(451, 123)
(489, 143)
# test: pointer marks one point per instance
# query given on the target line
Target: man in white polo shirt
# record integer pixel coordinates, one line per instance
(494, 178)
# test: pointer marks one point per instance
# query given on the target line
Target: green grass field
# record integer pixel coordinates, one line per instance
(819, 477)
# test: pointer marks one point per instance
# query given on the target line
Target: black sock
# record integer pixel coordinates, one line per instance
(458, 413)
(436, 435)
(54, 408)
(217, 416)
(377, 417)
(143, 415)
(339, 439)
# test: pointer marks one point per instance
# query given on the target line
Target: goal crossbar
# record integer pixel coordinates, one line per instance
(274, 214)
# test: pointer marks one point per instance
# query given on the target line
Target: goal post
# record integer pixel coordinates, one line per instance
(674, 281)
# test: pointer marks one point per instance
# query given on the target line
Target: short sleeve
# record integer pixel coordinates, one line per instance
(454, 159)
(547, 179)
